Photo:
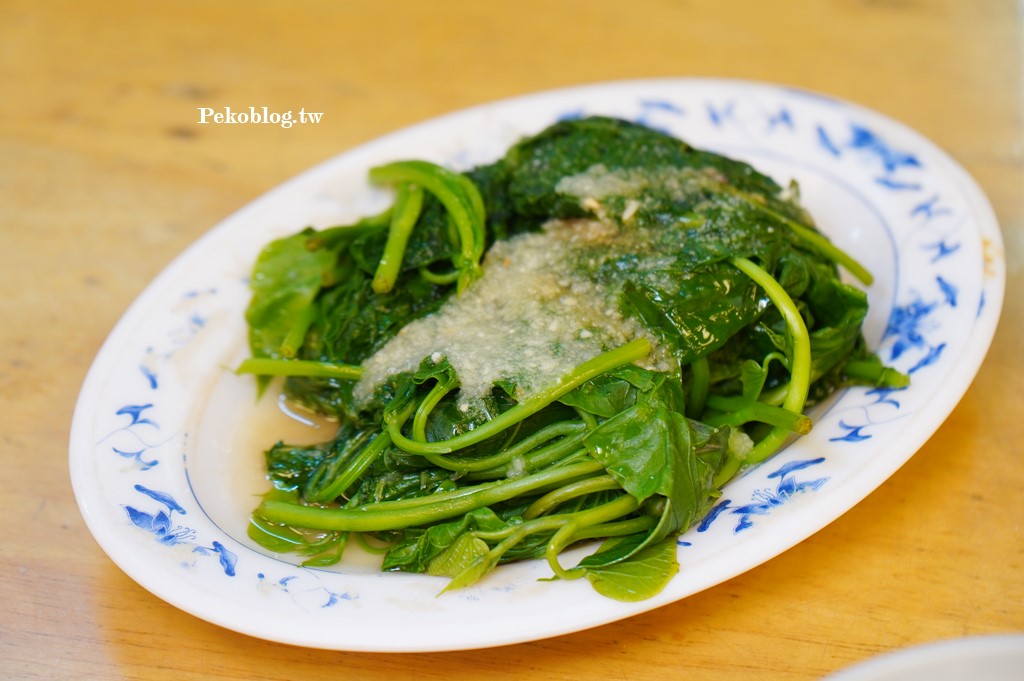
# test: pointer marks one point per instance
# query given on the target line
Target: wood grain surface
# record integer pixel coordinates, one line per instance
(105, 177)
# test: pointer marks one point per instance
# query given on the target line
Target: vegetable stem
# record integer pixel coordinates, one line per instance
(297, 333)
(701, 380)
(436, 394)
(603, 363)
(265, 366)
(812, 238)
(465, 208)
(367, 455)
(561, 495)
(408, 205)
(570, 433)
(799, 366)
(736, 411)
(393, 515)
(874, 372)
(568, 533)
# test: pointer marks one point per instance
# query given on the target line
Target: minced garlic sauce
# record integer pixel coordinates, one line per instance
(598, 183)
(536, 314)
(531, 318)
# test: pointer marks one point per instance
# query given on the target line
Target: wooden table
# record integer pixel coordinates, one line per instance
(105, 176)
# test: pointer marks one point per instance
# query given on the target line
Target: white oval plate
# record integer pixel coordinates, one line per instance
(995, 657)
(166, 442)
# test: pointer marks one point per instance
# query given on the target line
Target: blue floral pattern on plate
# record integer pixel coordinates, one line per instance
(159, 524)
(154, 492)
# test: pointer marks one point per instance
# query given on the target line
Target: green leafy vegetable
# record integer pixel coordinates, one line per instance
(582, 341)
(644, 575)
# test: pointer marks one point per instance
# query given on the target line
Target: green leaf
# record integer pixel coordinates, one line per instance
(289, 467)
(419, 550)
(652, 449)
(640, 446)
(604, 396)
(286, 278)
(700, 316)
(840, 310)
(752, 376)
(464, 558)
(644, 575)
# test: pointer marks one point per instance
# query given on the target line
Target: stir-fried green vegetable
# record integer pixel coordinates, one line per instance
(581, 341)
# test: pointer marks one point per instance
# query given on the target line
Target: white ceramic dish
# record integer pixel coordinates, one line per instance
(165, 445)
(978, 658)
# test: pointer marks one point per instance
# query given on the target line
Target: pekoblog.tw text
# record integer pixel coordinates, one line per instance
(257, 116)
